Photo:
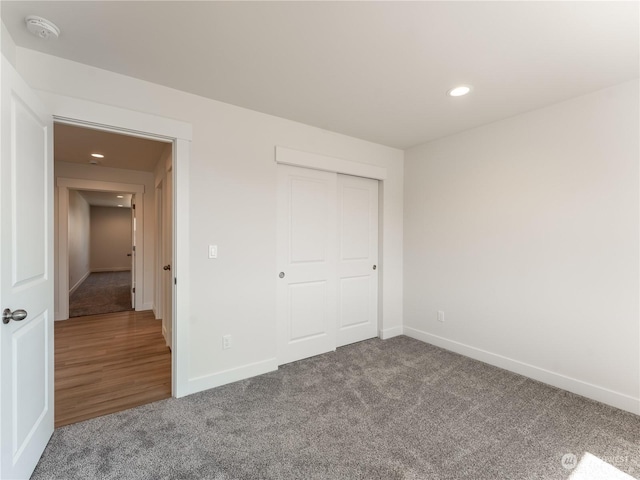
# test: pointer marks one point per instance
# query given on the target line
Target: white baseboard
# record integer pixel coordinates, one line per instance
(164, 335)
(213, 380)
(386, 333)
(116, 269)
(79, 282)
(145, 306)
(594, 392)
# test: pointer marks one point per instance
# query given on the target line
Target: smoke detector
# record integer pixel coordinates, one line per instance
(41, 27)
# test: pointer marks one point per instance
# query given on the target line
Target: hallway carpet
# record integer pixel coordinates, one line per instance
(102, 292)
(389, 410)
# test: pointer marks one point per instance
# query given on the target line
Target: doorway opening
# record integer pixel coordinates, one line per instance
(102, 227)
(113, 335)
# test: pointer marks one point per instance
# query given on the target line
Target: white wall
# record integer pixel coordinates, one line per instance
(525, 233)
(79, 240)
(115, 175)
(110, 239)
(7, 46)
(232, 203)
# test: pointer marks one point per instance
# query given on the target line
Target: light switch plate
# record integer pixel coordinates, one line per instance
(213, 251)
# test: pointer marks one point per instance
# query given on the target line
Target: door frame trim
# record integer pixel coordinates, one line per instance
(63, 186)
(85, 113)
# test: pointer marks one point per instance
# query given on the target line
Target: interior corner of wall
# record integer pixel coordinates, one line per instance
(390, 332)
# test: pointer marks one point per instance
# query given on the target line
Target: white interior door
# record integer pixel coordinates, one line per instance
(306, 303)
(167, 240)
(133, 251)
(26, 278)
(357, 259)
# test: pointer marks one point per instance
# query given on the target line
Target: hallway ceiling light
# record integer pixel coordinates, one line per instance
(121, 205)
(459, 91)
(41, 27)
(97, 155)
(119, 196)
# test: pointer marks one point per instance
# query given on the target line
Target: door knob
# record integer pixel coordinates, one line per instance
(281, 274)
(128, 254)
(16, 315)
(167, 267)
(375, 266)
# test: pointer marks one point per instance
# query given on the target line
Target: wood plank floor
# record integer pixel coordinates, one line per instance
(108, 363)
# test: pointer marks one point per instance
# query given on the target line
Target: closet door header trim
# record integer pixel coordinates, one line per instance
(298, 158)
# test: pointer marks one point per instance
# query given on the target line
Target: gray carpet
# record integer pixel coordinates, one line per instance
(101, 292)
(394, 409)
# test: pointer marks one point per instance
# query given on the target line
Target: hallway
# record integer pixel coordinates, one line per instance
(108, 363)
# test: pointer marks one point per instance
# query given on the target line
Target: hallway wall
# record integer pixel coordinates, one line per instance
(79, 239)
(110, 239)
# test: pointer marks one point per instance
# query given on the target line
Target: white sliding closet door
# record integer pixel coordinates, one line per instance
(327, 261)
(357, 259)
(306, 304)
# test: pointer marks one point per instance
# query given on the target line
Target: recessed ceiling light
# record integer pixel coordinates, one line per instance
(459, 91)
(120, 196)
(97, 155)
(121, 205)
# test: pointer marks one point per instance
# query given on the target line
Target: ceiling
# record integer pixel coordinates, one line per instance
(106, 199)
(373, 70)
(76, 144)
